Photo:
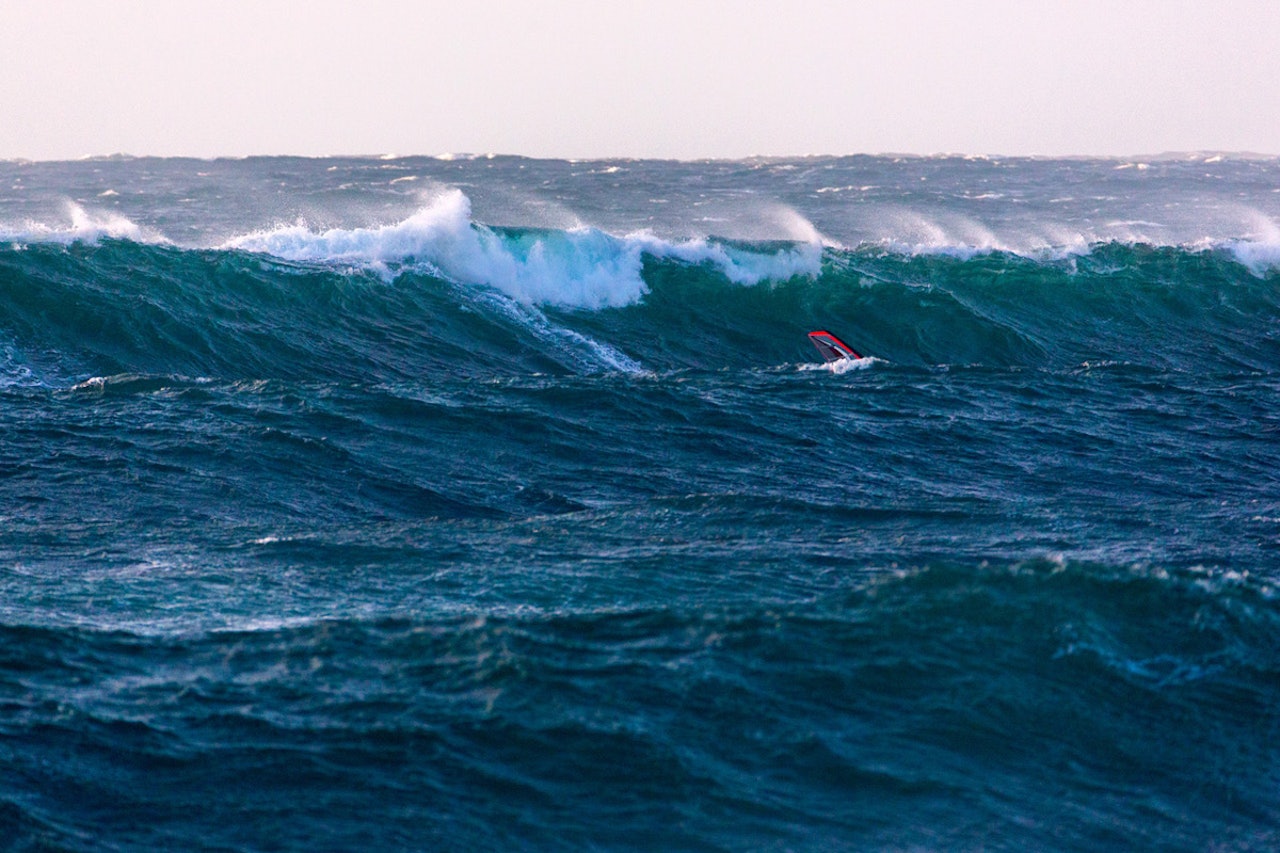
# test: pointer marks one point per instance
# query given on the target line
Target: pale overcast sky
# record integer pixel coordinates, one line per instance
(693, 78)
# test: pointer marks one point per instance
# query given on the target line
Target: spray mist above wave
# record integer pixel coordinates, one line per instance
(80, 226)
(1260, 250)
(1259, 258)
(579, 268)
(592, 267)
(1249, 235)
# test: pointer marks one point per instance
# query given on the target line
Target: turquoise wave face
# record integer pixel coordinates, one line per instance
(118, 307)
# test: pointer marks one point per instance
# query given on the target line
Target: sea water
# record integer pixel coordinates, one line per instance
(492, 503)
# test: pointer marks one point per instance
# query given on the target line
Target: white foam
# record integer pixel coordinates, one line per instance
(586, 354)
(1259, 248)
(82, 226)
(738, 265)
(841, 366)
(1259, 258)
(581, 267)
(910, 232)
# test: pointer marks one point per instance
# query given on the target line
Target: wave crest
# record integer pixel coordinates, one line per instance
(579, 268)
(82, 227)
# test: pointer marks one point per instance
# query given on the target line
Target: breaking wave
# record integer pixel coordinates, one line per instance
(438, 293)
(78, 226)
(582, 268)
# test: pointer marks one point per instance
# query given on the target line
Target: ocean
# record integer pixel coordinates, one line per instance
(464, 503)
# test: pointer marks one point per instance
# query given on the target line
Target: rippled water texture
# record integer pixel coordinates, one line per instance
(500, 503)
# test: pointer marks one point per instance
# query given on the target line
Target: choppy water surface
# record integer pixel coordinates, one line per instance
(490, 502)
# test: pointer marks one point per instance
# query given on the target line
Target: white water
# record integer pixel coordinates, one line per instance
(579, 268)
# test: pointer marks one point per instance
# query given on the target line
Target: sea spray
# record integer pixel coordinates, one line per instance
(582, 268)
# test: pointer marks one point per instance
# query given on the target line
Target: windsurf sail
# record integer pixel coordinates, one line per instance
(831, 347)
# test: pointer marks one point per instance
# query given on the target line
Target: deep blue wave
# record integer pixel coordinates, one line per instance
(1112, 708)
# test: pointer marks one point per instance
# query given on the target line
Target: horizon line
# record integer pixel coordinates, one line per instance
(1188, 154)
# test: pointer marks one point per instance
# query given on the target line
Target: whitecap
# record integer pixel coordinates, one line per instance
(83, 226)
(579, 268)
